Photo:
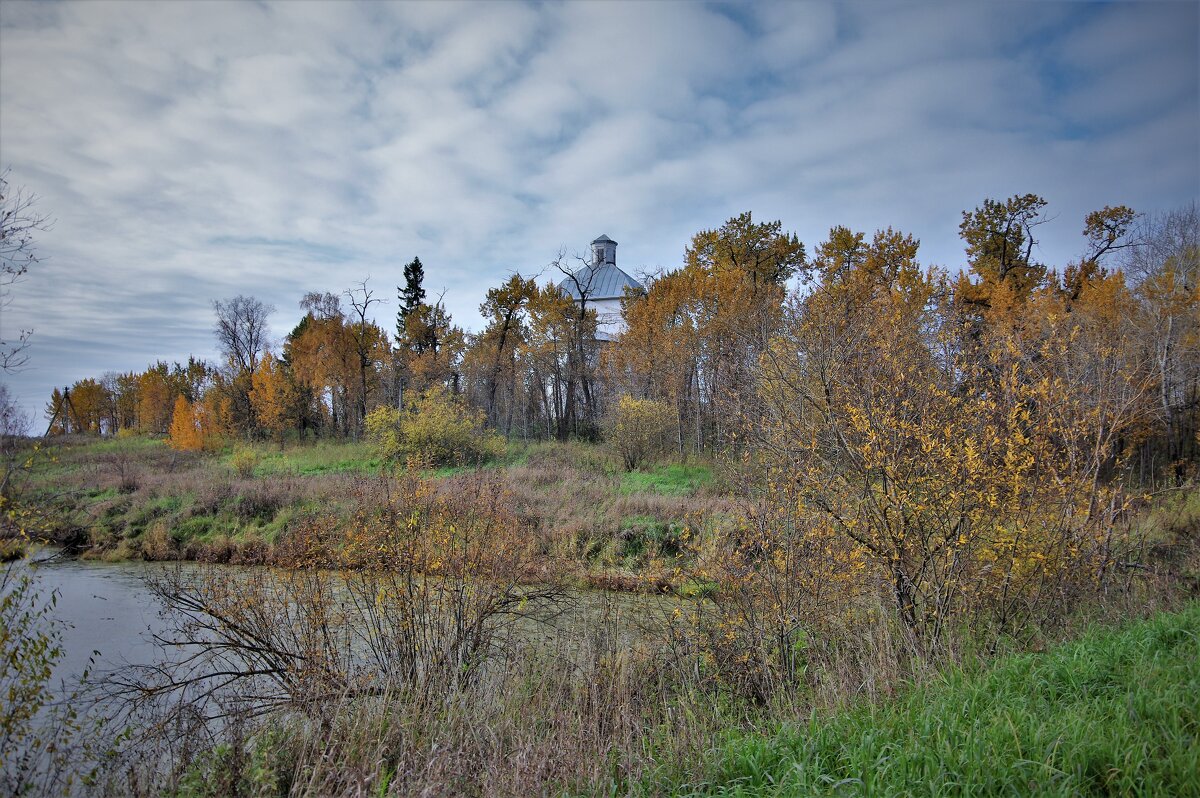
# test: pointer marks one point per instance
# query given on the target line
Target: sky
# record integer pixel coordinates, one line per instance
(190, 152)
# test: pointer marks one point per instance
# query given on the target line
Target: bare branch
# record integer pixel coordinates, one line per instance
(18, 222)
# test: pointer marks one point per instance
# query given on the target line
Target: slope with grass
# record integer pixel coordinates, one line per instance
(136, 498)
(1114, 713)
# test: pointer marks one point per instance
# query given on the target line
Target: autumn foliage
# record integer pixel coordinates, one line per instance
(436, 429)
(186, 432)
(950, 447)
(641, 430)
(958, 449)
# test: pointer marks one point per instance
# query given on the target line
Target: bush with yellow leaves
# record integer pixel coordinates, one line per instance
(641, 430)
(437, 429)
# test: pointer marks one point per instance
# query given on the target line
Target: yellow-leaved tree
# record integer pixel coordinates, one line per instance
(187, 434)
(951, 462)
(273, 397)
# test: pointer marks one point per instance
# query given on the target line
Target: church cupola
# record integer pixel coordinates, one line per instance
(604, 251)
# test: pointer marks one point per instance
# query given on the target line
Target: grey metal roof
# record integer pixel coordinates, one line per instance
(603, 239)
(602, 282)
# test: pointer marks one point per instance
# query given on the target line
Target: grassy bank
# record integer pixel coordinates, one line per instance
(1114, 713)
(136, 498)
(513, 685)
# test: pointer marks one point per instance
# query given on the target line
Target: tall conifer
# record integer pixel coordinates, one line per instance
(411, 295)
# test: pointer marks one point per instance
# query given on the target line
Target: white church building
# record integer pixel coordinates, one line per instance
(603, 285)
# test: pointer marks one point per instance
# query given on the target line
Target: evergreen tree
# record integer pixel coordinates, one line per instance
(411, 295)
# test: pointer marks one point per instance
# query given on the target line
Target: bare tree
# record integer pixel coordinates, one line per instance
(579, 285)
(1165, 270)
(242, 330)
(18, 222)
(1169, 239)
(361, 299)
(321, 305)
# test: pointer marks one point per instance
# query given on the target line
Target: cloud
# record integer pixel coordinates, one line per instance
(194, 151)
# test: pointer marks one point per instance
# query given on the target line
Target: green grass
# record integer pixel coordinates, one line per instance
(669, 480)
(131, 444)
(442, 472)
(324, 457)
(1115, 713)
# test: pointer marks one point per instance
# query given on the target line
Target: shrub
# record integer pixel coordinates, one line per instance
(244, 460)
(438, 429)
(40, 729)
(383, 431)
(641, 429)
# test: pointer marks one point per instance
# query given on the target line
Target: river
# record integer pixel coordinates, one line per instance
(108, 616)
(105, 612)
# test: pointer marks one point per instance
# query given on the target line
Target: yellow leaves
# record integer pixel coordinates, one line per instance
(273, 396)
(185, 427)
(641, 429)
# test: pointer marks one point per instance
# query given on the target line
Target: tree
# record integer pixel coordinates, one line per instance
(1164, 270)
(91, 405)
(1107, 231)
(369, 344)
(431, 348)
(18, 222)
(186, 432)
(562, 350)
(657, 354)
(411, 295)
(967, 478)
(696, 337)
(504, 308)
(124, 390)
(155, 400)
(761, 252)
(580, 402)
(191, 379)
(241, 330)
(1000, 242)
(320, 355)
(14, 422)
(273, 397)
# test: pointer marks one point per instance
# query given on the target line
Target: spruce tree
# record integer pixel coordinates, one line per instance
(411, 295)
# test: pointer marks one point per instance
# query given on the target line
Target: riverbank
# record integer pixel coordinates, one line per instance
(136, 498)
(1111, 710)
(451, 703)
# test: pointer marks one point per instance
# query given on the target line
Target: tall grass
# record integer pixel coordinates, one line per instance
(594, 712)
(324, 457)
(601, 711)
(1115, 713)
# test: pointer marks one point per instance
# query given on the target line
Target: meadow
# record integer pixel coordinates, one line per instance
(136, 498)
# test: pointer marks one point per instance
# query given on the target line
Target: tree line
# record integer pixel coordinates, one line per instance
(703, 339)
